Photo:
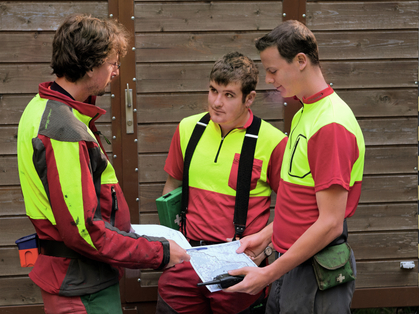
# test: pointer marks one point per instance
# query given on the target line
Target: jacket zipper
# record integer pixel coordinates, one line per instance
(292, 131)
(221, 143)
(114, 205)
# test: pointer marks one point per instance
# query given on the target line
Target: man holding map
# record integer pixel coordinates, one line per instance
(213, 183)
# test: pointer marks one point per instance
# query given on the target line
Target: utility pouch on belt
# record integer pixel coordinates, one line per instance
(332, 266)
(28, 250)
(169, 208)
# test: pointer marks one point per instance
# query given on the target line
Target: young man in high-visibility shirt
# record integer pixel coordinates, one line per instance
(320, 184)
(213, 181)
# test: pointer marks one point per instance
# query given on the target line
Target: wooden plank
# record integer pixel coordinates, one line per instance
(385, 245)
(13, 228)
(23, 78)
(381, 102)
(357, 45)
(11, 201)
(149, 218)
(154, 108)
(391, 159)
(371, 74)
(23, 309)
(36, 16)
(200, 47)
(157, 78)
(396, 131)
(207, 16)
(19, 291)
(8, 140)
(10, 263)
(156, 138)
(384, 217)
(148, 195)
(391, 188)
(362, 15)
(151, 168)
(8, 171)
(194, 47)
(385, 297)
(26, 47)
(12, 106)
(377, 274)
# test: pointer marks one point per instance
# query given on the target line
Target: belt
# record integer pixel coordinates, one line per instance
(57, 249)
(202, 242)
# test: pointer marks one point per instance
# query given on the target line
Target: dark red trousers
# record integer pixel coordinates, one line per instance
(178, 288)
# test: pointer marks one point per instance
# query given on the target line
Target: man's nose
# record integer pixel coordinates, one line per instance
(269, 79)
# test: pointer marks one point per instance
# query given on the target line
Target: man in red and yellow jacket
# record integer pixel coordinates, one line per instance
(70, 189)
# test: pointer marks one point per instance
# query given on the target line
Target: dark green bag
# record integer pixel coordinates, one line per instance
(332, 266)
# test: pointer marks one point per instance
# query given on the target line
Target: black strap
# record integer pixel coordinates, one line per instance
(193, 141)
(343, 237)
(244, 174)
(57, 249)
(244, 177)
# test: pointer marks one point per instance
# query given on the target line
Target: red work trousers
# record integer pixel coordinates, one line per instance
(178, 288)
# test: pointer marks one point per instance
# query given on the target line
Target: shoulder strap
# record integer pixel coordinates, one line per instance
(244, 176)
(193, 141)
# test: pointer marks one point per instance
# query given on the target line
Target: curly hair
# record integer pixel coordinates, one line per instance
(83, 42)
(291, 38)
(236, 67)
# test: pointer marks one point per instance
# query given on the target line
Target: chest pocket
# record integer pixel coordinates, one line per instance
(299, 167)
(256, 172)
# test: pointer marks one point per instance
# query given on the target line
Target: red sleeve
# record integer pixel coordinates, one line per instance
(332, 152)
(174, 160)
(274, 166)
(93, 237)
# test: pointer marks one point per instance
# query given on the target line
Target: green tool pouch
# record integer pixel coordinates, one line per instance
(332, 266)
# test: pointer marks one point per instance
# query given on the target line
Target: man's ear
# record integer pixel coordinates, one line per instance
(250, 98)
(89, 73)
(302, 60)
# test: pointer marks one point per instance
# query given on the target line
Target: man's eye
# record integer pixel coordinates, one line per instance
(229, 95)
(272, 71)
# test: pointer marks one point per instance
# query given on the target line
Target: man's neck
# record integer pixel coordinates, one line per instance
(313, 82)
(74, 89)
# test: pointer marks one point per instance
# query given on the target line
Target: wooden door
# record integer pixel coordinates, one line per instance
(176, 44)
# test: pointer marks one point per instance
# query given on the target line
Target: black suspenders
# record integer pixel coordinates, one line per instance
(244, 174)
(193, 141)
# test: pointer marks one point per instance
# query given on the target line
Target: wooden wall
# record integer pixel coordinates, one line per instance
(368, 51)
(26, 33)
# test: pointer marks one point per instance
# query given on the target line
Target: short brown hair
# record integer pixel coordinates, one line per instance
(291, 38)
(83, 42)
(236, 67)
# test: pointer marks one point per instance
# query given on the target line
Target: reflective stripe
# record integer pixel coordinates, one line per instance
(252, 135)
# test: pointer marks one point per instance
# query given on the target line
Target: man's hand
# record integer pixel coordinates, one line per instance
(253, 245)
(177, 254)
(256, 278)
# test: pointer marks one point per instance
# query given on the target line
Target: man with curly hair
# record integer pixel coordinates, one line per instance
(70, 189)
